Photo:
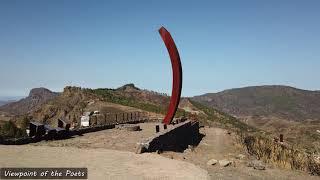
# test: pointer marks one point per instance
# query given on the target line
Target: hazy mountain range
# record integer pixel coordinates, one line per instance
(36, 98)
(257, 101)
(279, 101)
(3, 102)
(9, 99)
(264, 111)
(275, 109)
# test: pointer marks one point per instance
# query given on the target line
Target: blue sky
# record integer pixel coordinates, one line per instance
(222, 44)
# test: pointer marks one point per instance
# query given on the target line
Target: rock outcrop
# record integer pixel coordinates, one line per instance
(36, 98)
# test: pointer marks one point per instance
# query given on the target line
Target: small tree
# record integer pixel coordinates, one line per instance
(10, 130)
(25, 122)
(45, 118)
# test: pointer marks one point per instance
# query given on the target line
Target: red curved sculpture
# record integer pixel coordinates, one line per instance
(176, 72)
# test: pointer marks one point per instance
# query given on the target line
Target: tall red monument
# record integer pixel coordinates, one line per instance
(176, 73)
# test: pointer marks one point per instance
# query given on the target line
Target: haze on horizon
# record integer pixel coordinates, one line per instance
(95, 44)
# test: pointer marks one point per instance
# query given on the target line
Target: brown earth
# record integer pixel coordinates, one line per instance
(116, 139)
(217, 144)
(273, 109)
(220, 144)
(101, 163)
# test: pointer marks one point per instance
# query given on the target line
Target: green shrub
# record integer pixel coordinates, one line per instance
(110, 95)
(222, 118)
(10, 130)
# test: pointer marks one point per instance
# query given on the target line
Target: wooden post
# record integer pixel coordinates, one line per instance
(164, 126)
(116, 118)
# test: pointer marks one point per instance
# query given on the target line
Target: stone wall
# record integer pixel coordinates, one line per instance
(175, 139)
(27, 140)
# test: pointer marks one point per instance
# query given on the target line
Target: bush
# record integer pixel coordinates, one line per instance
(10, 130)
(25, 122)
(223, 119)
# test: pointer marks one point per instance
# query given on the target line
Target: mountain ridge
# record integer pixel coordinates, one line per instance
(277, 100)
(37, 97)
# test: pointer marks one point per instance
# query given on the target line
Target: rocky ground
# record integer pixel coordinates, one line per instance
(110, 153)
(101, 163)
(223, 158)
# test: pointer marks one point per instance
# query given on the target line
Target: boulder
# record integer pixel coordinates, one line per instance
(189, 149)
(212, 162)
(140, 149)
(258, 165)
(224, 163)
(240, 156)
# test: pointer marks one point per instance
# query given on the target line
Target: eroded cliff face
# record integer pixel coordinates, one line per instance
(37, 97)
(69, 104)
(281, 154)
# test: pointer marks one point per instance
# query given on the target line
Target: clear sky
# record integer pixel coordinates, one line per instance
(222, 44)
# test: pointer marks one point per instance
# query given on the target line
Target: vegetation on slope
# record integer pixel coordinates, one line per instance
(281, 154)
(260, 144)
(279, 101)
(10, 130)
(110, 96)
(221, 118)
(114, 96)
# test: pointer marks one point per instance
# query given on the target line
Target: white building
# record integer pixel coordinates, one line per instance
(85, 121)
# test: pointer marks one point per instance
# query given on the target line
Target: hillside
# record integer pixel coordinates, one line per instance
(36, 98)
(3, 103)
(73, 101)
(7, 101)
(279, 101)
(275, 109)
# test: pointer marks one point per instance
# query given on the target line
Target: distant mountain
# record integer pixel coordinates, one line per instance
(36, 98)
(74, 101)
(275, 109)
(3, 102)
(9, 99)
(279, 101)
(128, 87)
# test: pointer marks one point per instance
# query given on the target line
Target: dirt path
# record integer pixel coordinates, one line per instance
(219, 144)
(93, 150)
(101, 163)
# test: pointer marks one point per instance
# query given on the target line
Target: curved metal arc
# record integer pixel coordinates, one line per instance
(176, 72)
